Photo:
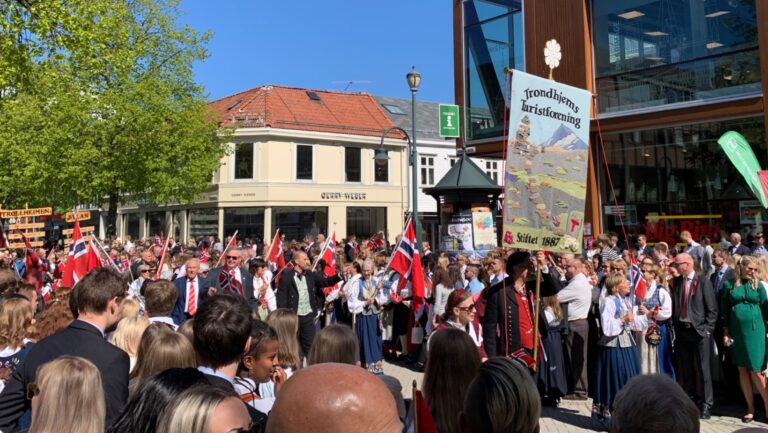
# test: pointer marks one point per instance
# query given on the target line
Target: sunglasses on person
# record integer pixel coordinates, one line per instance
(232, 257)
(470, 307)
(32, 390)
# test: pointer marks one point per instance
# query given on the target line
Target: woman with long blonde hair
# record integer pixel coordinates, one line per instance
(744, 311)
(128, 334)
(16, 329)
(161, 348)
(195, 409)
(67, 397)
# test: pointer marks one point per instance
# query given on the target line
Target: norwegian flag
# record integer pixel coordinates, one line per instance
(329, 255)
(638, 287)
(77, 262)
(276, 254)
(376, 243)
(406, 262)
(204, 256)
(94, 261)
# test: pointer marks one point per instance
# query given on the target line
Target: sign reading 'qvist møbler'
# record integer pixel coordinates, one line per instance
(342, 196)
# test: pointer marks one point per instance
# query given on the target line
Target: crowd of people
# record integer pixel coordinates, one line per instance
(211, 336)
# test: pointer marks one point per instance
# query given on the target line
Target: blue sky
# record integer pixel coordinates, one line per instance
(325, 44)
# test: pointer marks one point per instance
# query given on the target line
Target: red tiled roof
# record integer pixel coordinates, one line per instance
(291, 108)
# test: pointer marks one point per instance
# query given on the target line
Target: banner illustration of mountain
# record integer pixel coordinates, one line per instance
(546, 167)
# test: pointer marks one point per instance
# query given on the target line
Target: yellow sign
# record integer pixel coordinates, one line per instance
(81, 215)
(28, 235)
(21, 213)
(82, 229)
(21, 244)
(27, 226)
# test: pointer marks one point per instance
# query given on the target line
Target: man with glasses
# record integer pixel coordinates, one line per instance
(232, 278)
(98, 297)
(694, 312)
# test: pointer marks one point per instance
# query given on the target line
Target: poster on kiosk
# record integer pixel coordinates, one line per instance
(469, 230)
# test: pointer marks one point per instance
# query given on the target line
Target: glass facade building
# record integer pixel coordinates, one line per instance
(669, 78)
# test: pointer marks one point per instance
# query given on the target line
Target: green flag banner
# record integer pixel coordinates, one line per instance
(740, 153)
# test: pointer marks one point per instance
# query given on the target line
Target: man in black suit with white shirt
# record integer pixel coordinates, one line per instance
(97, 296)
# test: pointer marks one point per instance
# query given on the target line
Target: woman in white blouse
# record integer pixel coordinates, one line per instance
(655, 343)
(619, 360)
(261, 288)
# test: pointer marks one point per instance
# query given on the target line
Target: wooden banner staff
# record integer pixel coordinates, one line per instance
(162, 257)
(234, 236)
(537, 307)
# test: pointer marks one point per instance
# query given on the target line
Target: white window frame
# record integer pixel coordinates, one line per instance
(232, 177)
(294, 162)
(431, 166)
(492, 172)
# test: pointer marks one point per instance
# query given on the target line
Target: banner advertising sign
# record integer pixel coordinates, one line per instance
(482, 228)
(743, 158)
(546, 167)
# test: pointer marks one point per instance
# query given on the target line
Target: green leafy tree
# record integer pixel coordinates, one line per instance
(102, 107)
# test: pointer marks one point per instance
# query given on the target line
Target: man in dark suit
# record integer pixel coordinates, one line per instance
(643, 247)
(723, 370)
(723, 273)
(97, 296)
(737, 247)
(232, 278)
(222, 334)
(694, 313)
(192, 291)
(301, 290)
(508, 325)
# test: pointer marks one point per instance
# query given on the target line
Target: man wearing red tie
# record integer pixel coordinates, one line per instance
(232, 278)
(192, 290)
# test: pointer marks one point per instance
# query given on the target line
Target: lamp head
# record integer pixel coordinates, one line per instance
(414, 79)
(380, 157)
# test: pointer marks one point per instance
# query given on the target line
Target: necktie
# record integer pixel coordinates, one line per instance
(191, 299)
(684, 301)
(718, 280)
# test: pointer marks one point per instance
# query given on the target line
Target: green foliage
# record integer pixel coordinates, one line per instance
(98, 104)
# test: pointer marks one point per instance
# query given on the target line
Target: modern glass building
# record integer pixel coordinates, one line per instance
(669, 78)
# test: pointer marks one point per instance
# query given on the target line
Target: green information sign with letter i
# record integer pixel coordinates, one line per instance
(449, 121)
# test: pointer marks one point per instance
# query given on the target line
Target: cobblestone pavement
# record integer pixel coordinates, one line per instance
(574, 416)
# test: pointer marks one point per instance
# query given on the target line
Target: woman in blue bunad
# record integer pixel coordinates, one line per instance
(618, 360)
(365, 299)
(656, 343)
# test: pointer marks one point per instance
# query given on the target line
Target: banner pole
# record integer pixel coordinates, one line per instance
(536, 317)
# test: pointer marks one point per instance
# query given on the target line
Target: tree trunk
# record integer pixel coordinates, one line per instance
(112, 214)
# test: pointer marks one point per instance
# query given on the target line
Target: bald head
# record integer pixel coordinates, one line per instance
(334, 398)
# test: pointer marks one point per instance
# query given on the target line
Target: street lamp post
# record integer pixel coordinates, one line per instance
(414, 80)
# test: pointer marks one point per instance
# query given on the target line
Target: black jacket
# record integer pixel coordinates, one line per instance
(247, 282)
(79, 339)
(288, 294)
(495, 314)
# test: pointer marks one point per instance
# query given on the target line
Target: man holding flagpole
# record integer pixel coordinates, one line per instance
(232, 278)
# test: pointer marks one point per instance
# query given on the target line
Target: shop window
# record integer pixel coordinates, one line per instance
(492, 170)
(304, 162)
(453, 161)
(247, 221)
(427, 167)
(656, 52)
(493, 40)
(678, 171)
(156, 224)
(203, 222)
(352, 164)
(243, 161)
(365, 221)
(296, 222)
(132, 225)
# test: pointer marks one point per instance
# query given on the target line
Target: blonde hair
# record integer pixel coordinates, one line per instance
(620, 264)
(192, 411)
(286, 324)
(653, 269)
(443, 262)
(71, 398)
(161, 349)
(128, 334)
(15, 322)
(130, 308)
(554, 304)
(741, 268)
(612, 283)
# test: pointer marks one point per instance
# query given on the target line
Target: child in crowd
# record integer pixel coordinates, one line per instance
(260, 365)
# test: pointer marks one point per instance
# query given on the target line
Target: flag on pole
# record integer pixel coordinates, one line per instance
(94, 261)
(424, 423)
(329, 255)
(276, 254)
(739, 151)
(77, 261)
(3, 240)
(407, 262)
(376, 243)
(638, 287)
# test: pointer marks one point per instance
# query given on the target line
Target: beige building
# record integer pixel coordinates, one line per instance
(299, 160)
